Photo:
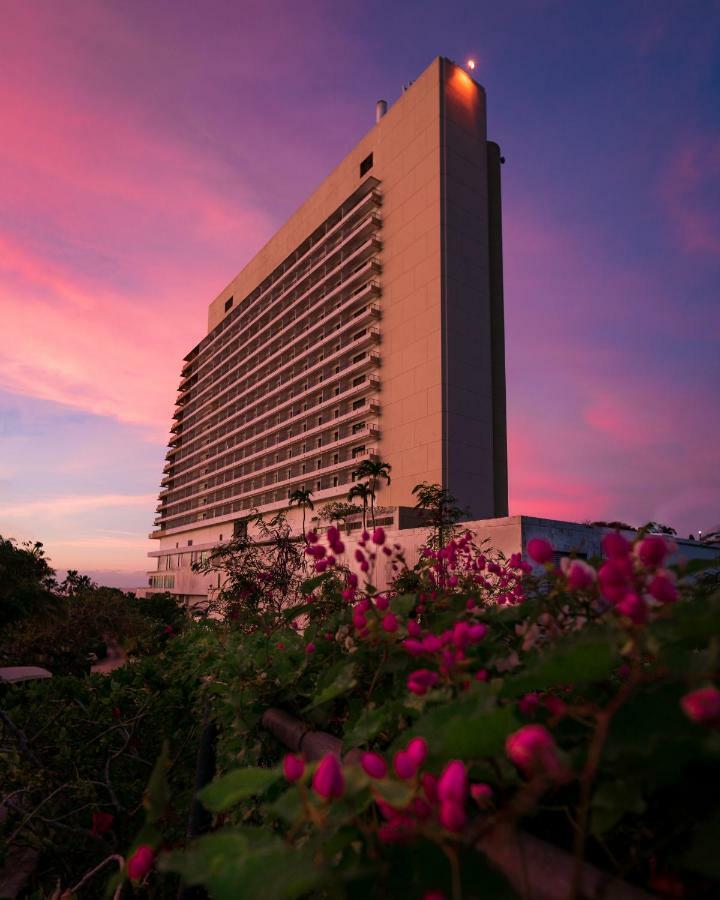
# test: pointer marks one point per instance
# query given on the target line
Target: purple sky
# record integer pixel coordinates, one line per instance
(148, 150)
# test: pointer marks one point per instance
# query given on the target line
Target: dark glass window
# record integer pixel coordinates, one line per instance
(366, 165)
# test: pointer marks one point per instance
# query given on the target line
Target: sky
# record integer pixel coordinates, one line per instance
(148, 150)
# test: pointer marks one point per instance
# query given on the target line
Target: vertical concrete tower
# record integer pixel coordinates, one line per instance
(369, 326)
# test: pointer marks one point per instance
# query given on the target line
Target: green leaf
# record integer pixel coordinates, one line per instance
(369, 723)
(247, 865)
(343, 682)
(238, 785)
(312, 584)
(470, 728)
(403, 605)
(157, 792)
(612, 800)
(396, 793)
(575, 660)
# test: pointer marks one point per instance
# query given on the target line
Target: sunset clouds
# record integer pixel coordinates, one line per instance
(148, 150)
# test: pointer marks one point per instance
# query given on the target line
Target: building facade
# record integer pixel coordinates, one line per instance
(369, 326)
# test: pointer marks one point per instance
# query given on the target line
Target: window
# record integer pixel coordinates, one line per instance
(366, 165)
(336, 435)
(189, 543)
(358, 380)
(358, 403)
(335, 481)
(319, 442)
(229, 301)
(358, 426)
(318, 463)
(358, 451)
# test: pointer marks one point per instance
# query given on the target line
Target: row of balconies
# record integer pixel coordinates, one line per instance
(209, 433)
(260, 294)
(261, 456)
(254, 498)
(264, 358)
(269, 320)
(371, 336)
(372, 310)
(372, 382)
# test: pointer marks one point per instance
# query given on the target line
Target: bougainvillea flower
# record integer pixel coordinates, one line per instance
(540, 550)
(420, 681)
(374, 765)
(615, 546)
(634, 608)
(328, 780)
(482, 794)
(702, 705)
(534, 751)
(579, 574)
(453, 783)
(405, 766)
(662, 588)
(417, 750)
(141, 862)
(293, 767)
(652, 550)
(452, 815)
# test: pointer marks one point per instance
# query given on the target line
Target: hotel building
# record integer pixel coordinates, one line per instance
(369, 326)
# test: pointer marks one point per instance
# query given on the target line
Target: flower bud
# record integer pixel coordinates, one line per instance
(328, 780)
(293, 767)
(374, 765)
(141, 862)
(453, 783)
(417, 750)
(540, 550)
(702, 705)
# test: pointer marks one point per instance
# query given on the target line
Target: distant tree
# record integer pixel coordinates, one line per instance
(338, 512)
(437, 508)
(73, 583)
(27, 582)
(303, 499)
(261, 570)
(361, 490)
(374, 470)
(657, 528)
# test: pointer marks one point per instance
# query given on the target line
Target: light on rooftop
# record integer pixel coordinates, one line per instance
(471, 64)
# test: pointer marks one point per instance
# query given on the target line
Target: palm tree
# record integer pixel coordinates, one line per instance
(302, 498)
(362, 492)
(373, 470)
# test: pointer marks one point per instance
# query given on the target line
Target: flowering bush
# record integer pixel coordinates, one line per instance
(478, 696)
(577, 703)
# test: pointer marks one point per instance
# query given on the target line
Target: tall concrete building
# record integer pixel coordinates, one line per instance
(370, 325)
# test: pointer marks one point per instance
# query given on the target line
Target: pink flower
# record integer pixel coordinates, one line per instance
(382, 602)
(417, 750)
(615, 546)
(405, 765)
(328, 780)
(702, 705)
(614, 577)
(452, 815)
(293, 767)
(420, 681)
(310, 647)
(312, 537)
(453, 783)
(429, 785)
(101, 822)
(662, 588)
(652, 550)
(374, 765)
(141, 862)
(477, 632)
(579, 574)
(482, 794)
(528, 704)
(390, 623)
(433, 895)
(540, 550)
(378, 536)
(534, 751)
(634, 608)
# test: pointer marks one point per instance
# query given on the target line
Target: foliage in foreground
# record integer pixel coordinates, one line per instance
(578, 705)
